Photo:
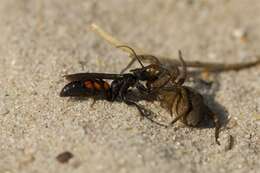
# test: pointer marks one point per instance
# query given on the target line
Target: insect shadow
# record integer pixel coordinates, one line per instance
(222, 112)
(209, 89)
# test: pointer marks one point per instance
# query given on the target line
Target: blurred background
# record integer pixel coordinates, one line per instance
(41, 40)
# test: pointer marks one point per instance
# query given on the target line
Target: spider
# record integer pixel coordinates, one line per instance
(185, 102)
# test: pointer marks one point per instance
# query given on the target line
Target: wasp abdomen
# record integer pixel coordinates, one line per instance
(86, 88)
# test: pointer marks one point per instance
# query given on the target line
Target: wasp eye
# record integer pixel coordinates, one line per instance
(150, 70)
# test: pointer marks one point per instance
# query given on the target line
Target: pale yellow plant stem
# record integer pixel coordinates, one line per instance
(113, 41)
(147, 56)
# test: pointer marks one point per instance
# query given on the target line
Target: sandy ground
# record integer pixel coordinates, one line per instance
(43, 40)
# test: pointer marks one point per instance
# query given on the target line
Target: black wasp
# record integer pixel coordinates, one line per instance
(94, 84)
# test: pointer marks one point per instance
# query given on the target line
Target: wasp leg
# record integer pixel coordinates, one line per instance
(93, 102)
(142, 88)
(143, 112)
(122, 95)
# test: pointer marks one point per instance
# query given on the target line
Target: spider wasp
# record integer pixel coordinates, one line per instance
(96, 85)
(166, 84)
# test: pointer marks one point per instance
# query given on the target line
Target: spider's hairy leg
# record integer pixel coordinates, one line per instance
(183, 73)
(182, 106)
(185, 104)
(217, 124)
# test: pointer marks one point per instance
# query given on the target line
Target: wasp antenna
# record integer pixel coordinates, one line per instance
(132, 50)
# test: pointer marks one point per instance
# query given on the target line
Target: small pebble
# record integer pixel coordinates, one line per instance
(230, 143)
(240, 34)
(4, 111)
(64, 157)
(257, 116)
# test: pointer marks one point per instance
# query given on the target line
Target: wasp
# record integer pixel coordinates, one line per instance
(96, 85)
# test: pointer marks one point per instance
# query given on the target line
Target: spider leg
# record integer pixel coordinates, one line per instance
(174, 104)
(176, 119)
(171, 78)
(183, 74)
(133, 53)
(164, 84)
(147, 58)
(168, 97)
(173, 75)
(217, 124)
(182, 103)
(186, 104)
(177, 99)
(128, 65)
(171, 105)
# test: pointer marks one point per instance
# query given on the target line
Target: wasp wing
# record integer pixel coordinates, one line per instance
(87, 76)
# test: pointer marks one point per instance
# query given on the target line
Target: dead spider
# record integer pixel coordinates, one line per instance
(187, 104)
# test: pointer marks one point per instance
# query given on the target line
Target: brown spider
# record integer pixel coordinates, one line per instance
(187, 104)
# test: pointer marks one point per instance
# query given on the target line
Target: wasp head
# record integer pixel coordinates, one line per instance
(147, 73)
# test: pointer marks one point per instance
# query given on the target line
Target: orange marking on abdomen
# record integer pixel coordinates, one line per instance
(89, 84)
(97, 85)
(106, 86)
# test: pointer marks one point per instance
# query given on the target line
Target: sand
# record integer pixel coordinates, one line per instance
(45, 39)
